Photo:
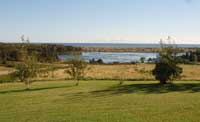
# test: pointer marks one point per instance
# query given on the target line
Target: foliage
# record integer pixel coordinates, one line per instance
(98, 61)
(142, 59)
(26, 70)
(76, 69)
(22, 72)
(191, 56)
(166, 68)
(45, 52)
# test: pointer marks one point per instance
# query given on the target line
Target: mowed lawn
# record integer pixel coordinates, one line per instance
(100, 101)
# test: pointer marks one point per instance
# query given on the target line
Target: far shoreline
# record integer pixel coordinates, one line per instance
(118, 47)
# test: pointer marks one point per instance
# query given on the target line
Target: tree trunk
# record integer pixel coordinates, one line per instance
(77, 82)
(28, 85)
(163, 81)
(121, 82)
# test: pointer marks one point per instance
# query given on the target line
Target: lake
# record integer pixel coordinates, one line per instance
(110, 57)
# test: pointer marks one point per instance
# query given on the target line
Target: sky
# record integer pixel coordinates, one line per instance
(100, 21)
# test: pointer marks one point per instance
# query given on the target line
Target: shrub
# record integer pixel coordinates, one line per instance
(167, 68)
(142, 59)
(27, 70)
(76, 69)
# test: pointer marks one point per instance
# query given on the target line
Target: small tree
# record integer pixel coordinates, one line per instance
(122, 77)
(193, 58)
(166, 68)
(76, 69)
(166, 71)
(26, 70)
(21, 72)
(3, 56)
(142, 59)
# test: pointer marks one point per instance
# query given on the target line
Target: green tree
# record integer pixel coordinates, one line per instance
(26, 70)
(193, 57)
(76, 69)
(3, 55)
(142, 59)
(167, 68)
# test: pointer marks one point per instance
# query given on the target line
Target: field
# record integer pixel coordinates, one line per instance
(130, 71)
(111, 72)
(100, 101)
(5, 70)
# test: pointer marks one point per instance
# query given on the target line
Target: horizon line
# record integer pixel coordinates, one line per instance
(100, 43)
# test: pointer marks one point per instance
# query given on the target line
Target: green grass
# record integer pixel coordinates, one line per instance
(100, 101)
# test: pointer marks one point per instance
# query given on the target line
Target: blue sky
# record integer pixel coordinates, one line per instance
(124, 21)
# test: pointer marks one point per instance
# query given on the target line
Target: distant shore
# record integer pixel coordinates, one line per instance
(129, 49)
(129, 45)
(112, 47)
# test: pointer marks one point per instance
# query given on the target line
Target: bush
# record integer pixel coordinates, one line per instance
(98, 61)
(76, 69)
(142, 59)
(166, 68)
(25, 71)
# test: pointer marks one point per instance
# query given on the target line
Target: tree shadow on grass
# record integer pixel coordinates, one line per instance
(137, 88)
(32, 89)
(150, 88)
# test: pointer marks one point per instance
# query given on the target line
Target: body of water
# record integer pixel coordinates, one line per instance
(121, 57)
(110, 57)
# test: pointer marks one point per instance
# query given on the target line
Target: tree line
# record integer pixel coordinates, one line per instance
(44, 52)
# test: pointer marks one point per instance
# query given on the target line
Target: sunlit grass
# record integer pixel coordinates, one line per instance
(134, 72)
(100, 101)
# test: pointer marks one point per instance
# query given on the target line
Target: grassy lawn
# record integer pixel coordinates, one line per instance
(100, 101)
